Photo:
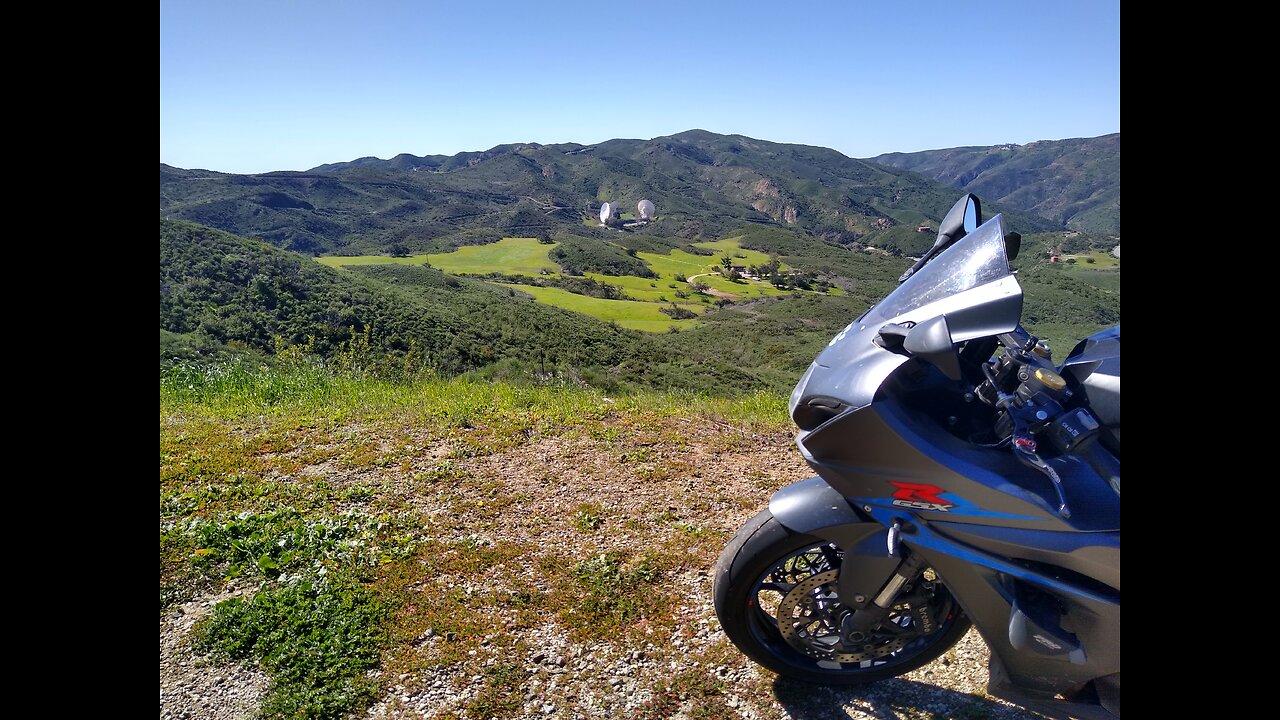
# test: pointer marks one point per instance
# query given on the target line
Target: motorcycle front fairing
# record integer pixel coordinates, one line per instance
(869, 444)
(988, 524)
(970, 283)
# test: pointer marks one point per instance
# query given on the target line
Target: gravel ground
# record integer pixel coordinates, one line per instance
(193, 687)
(651, 484)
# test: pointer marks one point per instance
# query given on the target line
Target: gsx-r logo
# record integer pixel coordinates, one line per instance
(931, 498)
(920, 496)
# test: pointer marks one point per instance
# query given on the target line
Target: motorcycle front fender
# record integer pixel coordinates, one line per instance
(812, 507)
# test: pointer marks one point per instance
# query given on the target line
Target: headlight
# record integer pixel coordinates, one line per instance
(799, 390)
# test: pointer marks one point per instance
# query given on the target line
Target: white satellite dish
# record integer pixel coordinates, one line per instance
(606, 212)
(646, 209)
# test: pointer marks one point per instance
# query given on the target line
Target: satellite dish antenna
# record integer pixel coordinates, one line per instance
(606, 213)
(645, 209)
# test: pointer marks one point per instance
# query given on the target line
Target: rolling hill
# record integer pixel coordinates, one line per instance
(1075, 182)
(703, 183)
(416, 276)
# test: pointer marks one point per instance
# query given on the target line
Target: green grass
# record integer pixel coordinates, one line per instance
(631, 314)
(733, 248)
(317, 640)
(1095, 259)
(678, 262)
(512, 256)
(237, 389)
(702, 269)
(527, 256)
(651, 290)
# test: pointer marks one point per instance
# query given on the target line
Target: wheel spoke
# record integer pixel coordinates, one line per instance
(778, 587)
(809, 615)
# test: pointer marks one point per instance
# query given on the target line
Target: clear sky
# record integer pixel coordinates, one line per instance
(287, 85)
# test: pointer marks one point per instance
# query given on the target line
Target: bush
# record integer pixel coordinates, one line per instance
(675, 312)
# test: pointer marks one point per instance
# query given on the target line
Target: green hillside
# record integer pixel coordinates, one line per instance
(489, 264)
(1075, 182)
(224, 297)
(704, 185)
(673, 288)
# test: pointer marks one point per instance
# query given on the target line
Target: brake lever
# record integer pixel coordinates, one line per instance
(1024, 448)
(1024, 445)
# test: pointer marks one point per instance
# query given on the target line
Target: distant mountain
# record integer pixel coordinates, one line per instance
(704, 184)
(812, 209)
(1075, 182)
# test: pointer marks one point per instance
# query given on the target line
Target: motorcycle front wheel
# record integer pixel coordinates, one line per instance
(775, 596)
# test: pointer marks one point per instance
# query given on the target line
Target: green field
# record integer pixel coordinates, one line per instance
(740, 255)
(513, 256)
(529, 257)
(631, 314)
(1095, 259)
(651, 290)
(702, 268)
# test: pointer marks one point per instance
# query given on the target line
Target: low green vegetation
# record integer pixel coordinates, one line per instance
(631, 314)
(317, 639)
(315, 625)
(610, 591)
(676, 278)
(1108, 280)
(1095, 259)
(510, 255)
(578, 255)
(241, 389)
(225, 298)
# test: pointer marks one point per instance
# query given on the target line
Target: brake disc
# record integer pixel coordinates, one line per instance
(809, 619)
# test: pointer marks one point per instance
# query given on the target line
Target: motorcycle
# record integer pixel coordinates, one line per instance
(962, 478)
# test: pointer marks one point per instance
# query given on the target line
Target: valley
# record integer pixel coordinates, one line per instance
(680, 280)
(511, 233)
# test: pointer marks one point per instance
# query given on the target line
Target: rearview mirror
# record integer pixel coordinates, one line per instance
(972, 214)
(963, 218)
(931, 341)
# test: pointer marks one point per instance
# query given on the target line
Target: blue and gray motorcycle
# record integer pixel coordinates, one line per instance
(964, 477)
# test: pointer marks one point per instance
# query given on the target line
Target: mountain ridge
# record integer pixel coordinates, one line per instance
(703, 183)
(1074, 181)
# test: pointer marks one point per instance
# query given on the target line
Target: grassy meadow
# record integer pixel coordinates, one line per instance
(631, 314)
(676, 271)
(512, 255)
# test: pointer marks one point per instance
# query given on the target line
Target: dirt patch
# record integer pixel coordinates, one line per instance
(511, 516)
(191, 686)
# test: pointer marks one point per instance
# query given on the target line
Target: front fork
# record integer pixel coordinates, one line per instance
(876, 570)
(869, 615)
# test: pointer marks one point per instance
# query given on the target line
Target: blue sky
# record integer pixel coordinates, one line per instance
(275, 85)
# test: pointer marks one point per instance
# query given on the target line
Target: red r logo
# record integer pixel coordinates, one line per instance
(919, 493)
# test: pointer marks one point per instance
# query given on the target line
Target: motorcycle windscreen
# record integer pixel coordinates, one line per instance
(976, 259)
(970, 283)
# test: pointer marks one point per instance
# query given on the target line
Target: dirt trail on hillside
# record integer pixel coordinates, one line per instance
(676, 487)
